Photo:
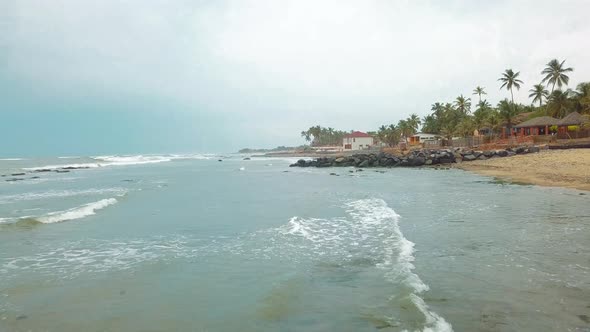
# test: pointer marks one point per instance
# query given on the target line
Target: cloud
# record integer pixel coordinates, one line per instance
(288, 64)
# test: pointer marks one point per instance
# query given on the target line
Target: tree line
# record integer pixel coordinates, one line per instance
(450, 119)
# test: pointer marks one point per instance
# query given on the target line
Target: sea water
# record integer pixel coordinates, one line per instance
(189, 243)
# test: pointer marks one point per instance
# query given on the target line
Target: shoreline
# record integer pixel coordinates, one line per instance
(551, 168)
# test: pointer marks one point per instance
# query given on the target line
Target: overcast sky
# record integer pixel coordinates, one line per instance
(172, 76)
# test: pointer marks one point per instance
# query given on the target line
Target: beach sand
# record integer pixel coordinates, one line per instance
(557, 168)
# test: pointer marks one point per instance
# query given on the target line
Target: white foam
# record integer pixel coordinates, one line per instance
(104, 161)
(77, 212)
(434, 322)
(5, 199)
(11, 159)
(374, 227)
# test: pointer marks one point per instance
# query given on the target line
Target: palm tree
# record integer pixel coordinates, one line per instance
(538, 92)
(465, 127)
(437, 109)
(507, 113)
(559, 103)
(479, 91)
(414, 123)
(509, 80)
(405, 129)
(463, 104)
(555, 74)
(494, 121)
(582, 97)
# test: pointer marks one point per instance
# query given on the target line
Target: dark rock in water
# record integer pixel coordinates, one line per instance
(75, 167)
(14, 179)
(17, 174)
(469, 157)
(582, 194)
(21, 317)
(34, 177)
(246, 158)
(219, 159)
(350, 171)
(359, 170)
(62, 171)
(334, 174)
(127, 180)
(43, 170)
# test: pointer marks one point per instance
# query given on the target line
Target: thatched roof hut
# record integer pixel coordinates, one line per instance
(572, 119)
(541, 121)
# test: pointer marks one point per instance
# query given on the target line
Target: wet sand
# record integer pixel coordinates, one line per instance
(556, 168)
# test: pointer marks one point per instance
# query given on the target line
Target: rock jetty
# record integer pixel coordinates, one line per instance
(414, 158)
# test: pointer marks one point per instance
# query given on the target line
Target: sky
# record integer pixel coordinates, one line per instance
(136, 76)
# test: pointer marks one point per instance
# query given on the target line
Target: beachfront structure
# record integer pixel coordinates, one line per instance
(534, 126)
(357, 140)
(422, 138)
(572, 119)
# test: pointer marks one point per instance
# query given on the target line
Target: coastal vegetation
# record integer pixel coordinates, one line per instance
(462, 118)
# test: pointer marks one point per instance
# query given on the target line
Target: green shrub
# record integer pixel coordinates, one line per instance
(573, 128)
(553, 129)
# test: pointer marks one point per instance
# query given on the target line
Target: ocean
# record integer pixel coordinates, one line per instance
(190, 243)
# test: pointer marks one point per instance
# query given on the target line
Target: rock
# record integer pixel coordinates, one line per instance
(247, 158)
(219, 159)
(359, 170)
(502, 153)
(364, 164)
(42, 170)
(339, 160)
(17, 174)
(428, 162)
(81, 167)
(469, 157)
(14, 179)
(534, 149)
(62, 171)
(34, 177)
(481, 157)
(334, 174)
(489, 153)
(510, 153)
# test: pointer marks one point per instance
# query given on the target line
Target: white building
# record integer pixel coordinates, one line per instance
(423, 137)
(357, 141)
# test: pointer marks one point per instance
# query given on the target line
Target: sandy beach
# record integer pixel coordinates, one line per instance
(558, 168)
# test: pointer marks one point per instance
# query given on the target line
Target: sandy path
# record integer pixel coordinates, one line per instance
(561, 168)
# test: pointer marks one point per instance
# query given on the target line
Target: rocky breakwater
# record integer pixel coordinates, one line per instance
(414, 158)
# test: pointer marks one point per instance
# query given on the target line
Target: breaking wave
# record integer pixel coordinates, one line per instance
(105, 161)
(60, 216)
(371, 233)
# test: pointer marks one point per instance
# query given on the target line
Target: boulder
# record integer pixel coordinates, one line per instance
(469, 157)
(502, 153)
(364, 163)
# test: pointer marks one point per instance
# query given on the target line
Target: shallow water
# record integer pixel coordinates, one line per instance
(158, 243)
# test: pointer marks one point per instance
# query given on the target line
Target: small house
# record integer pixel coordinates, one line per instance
(357, 140)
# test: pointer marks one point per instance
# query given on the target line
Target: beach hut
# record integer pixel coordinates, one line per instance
(535, 126)
(572, 122)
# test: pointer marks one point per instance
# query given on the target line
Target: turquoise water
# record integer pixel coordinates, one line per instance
(188, 243)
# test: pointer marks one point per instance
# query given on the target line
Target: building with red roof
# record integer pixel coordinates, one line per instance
(357, 140)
